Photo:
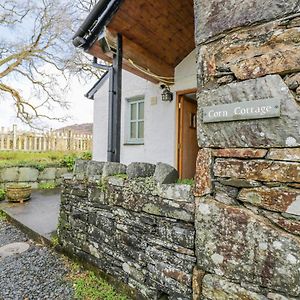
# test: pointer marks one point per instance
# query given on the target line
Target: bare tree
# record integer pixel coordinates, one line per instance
(85, 5)
(36, 54)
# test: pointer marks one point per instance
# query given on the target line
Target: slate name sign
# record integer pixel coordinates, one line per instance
(248, 110)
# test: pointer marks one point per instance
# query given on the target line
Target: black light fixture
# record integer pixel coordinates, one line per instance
(167, 95)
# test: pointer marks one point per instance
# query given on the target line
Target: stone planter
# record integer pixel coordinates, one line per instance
(18, 193)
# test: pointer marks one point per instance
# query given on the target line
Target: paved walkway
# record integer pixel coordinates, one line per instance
(36, 274)
(39, 214)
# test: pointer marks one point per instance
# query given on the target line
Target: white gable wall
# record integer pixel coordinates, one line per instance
(185, 73)
(159, 118)
(100, 124)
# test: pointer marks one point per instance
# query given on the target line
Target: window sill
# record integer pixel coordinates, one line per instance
(133, 144)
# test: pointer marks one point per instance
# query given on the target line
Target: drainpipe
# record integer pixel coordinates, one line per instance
(111, 95)
(114, 102)
(117, 65)
(114, 105)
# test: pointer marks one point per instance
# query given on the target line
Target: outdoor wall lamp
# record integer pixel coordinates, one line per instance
(166, 95)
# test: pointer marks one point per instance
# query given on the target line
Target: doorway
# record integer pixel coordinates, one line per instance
(187, 144)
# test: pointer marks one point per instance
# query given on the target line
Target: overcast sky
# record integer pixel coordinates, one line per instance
(80, 111)
(80, 108)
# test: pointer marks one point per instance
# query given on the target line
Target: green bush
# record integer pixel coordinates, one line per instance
(2, 194)
(86, 155)
(41, 160)
(121, 175)
(38, 160)
(68, 161)
(47, 186)
(3, 216)
(186, 181)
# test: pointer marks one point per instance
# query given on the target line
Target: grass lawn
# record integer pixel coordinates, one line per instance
(39, 160)
(88, 286)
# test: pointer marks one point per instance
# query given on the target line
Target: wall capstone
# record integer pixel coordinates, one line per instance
(138, 169)
(165, 174)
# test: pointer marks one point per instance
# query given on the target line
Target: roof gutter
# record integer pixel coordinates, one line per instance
(95, 22)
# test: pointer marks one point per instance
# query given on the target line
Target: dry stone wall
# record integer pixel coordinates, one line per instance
(248, 171)
(132, 226)
(31, 175)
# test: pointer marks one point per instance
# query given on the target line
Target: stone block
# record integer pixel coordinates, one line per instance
(60, 172)
(198, 275)
(253, 52)
(80, 166)
(235, 243)
(165, 174)
(226, 194)
(134, 271)
(180, 233)
(170, 246)
(48, 174)
(273, 132)
(28, 174)
(113, 168)
(68, 176)
(170, 209)
(217, 16)
(261, 170)
(10, 174)
(134, 193)
(178, 192)
(217, 288)
(171, 280)
(114, 180)
(293, 81)
(146, 291)
(139, 169)
(289, 225)
(240, 153)
(240, 183)
(274, 199)
(94, 168)
(171, 270)
(203, 177)
(286, 154)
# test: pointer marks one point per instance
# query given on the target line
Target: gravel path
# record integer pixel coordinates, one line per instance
(36, 274)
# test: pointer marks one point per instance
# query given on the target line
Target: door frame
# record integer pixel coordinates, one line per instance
(179, 108)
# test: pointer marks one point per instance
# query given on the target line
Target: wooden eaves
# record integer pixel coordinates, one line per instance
(157, 35)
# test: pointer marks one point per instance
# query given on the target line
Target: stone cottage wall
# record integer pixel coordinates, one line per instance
(134, 228)
(248, 172)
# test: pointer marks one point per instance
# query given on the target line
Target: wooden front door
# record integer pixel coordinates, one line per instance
(187, 136)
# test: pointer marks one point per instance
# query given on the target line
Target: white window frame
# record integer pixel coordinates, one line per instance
(131, 101)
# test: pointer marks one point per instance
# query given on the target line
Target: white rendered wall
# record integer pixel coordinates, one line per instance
(159, 124)
(100, 124)
(159, 121)
(186, 74)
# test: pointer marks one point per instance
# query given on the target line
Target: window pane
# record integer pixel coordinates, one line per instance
(133, 130)
(133, 115)
(141, 130)
(141, 111)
